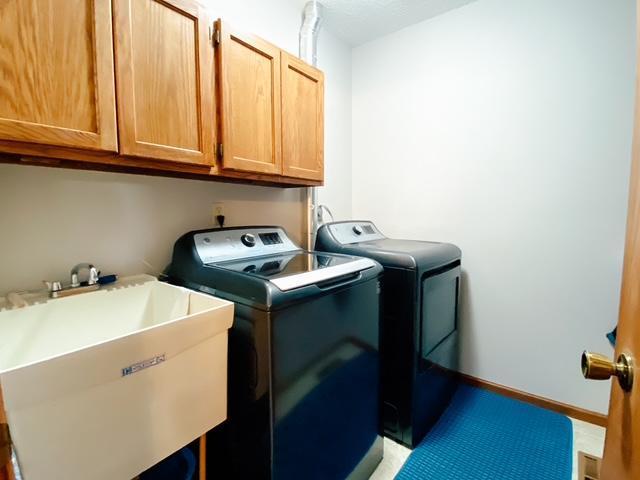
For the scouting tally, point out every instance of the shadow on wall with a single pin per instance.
(468, 354)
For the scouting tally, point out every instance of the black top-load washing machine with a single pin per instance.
(418, 343)
(303, 383)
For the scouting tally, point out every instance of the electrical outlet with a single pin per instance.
(216, 209)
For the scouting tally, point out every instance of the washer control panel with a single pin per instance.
(354, 232)
(241, 242)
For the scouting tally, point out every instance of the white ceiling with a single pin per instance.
(359, 21)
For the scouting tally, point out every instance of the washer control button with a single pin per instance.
(357, 229)
(248, 240)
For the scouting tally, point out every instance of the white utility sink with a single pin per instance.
(103, 385)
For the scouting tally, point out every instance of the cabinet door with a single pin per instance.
(56, 73)
(250, 91)
(302, 119)
(164, 71)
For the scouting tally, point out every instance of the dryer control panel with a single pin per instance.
(355, 232)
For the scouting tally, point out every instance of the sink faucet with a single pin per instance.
(56, 290)
(93, 274)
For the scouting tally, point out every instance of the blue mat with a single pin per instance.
(485, 436)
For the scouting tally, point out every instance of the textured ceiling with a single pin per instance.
(359, 21)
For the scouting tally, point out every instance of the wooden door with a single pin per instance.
(165, 77)
(56, 73)
(250, 102)
(622, 444)
(302, 119)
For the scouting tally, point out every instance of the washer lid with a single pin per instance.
(363, 238)
(294, 270)
(408, 253)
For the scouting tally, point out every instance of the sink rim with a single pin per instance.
(126, 283)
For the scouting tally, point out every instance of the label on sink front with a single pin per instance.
(136, 367)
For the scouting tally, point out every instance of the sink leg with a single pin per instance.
(203, 457)
(6, 468)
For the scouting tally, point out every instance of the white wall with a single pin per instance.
(54, 218)
(504, 127)
(336, 192)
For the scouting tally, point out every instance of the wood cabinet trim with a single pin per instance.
(105, 76)
(47, 156)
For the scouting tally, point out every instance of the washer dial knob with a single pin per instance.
(248, 240)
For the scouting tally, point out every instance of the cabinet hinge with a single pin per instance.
(214, 34)
(220, 151)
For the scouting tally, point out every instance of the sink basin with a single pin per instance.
(103, 385)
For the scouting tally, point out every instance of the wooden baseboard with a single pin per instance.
(563, 408)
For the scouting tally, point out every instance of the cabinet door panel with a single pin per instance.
(302, 119)
(56, 73)
(250, 90)
(166, 91)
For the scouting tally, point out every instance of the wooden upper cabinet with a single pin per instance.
(150, 84)
(165, 76)
(302, 119)
(249, 70)
(56, 73)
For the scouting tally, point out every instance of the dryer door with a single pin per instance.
(439, 315)
(434, 385)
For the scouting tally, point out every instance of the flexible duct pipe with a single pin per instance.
(311, 22)
(308, 39)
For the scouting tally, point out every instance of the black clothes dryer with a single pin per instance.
(419, 337)
(303, 381)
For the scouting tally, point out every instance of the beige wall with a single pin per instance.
(126, 224)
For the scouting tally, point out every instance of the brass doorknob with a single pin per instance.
(596, 366)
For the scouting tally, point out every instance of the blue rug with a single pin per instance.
(485, 436)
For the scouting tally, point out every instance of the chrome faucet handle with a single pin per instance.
(53, 287)
(94, 274)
